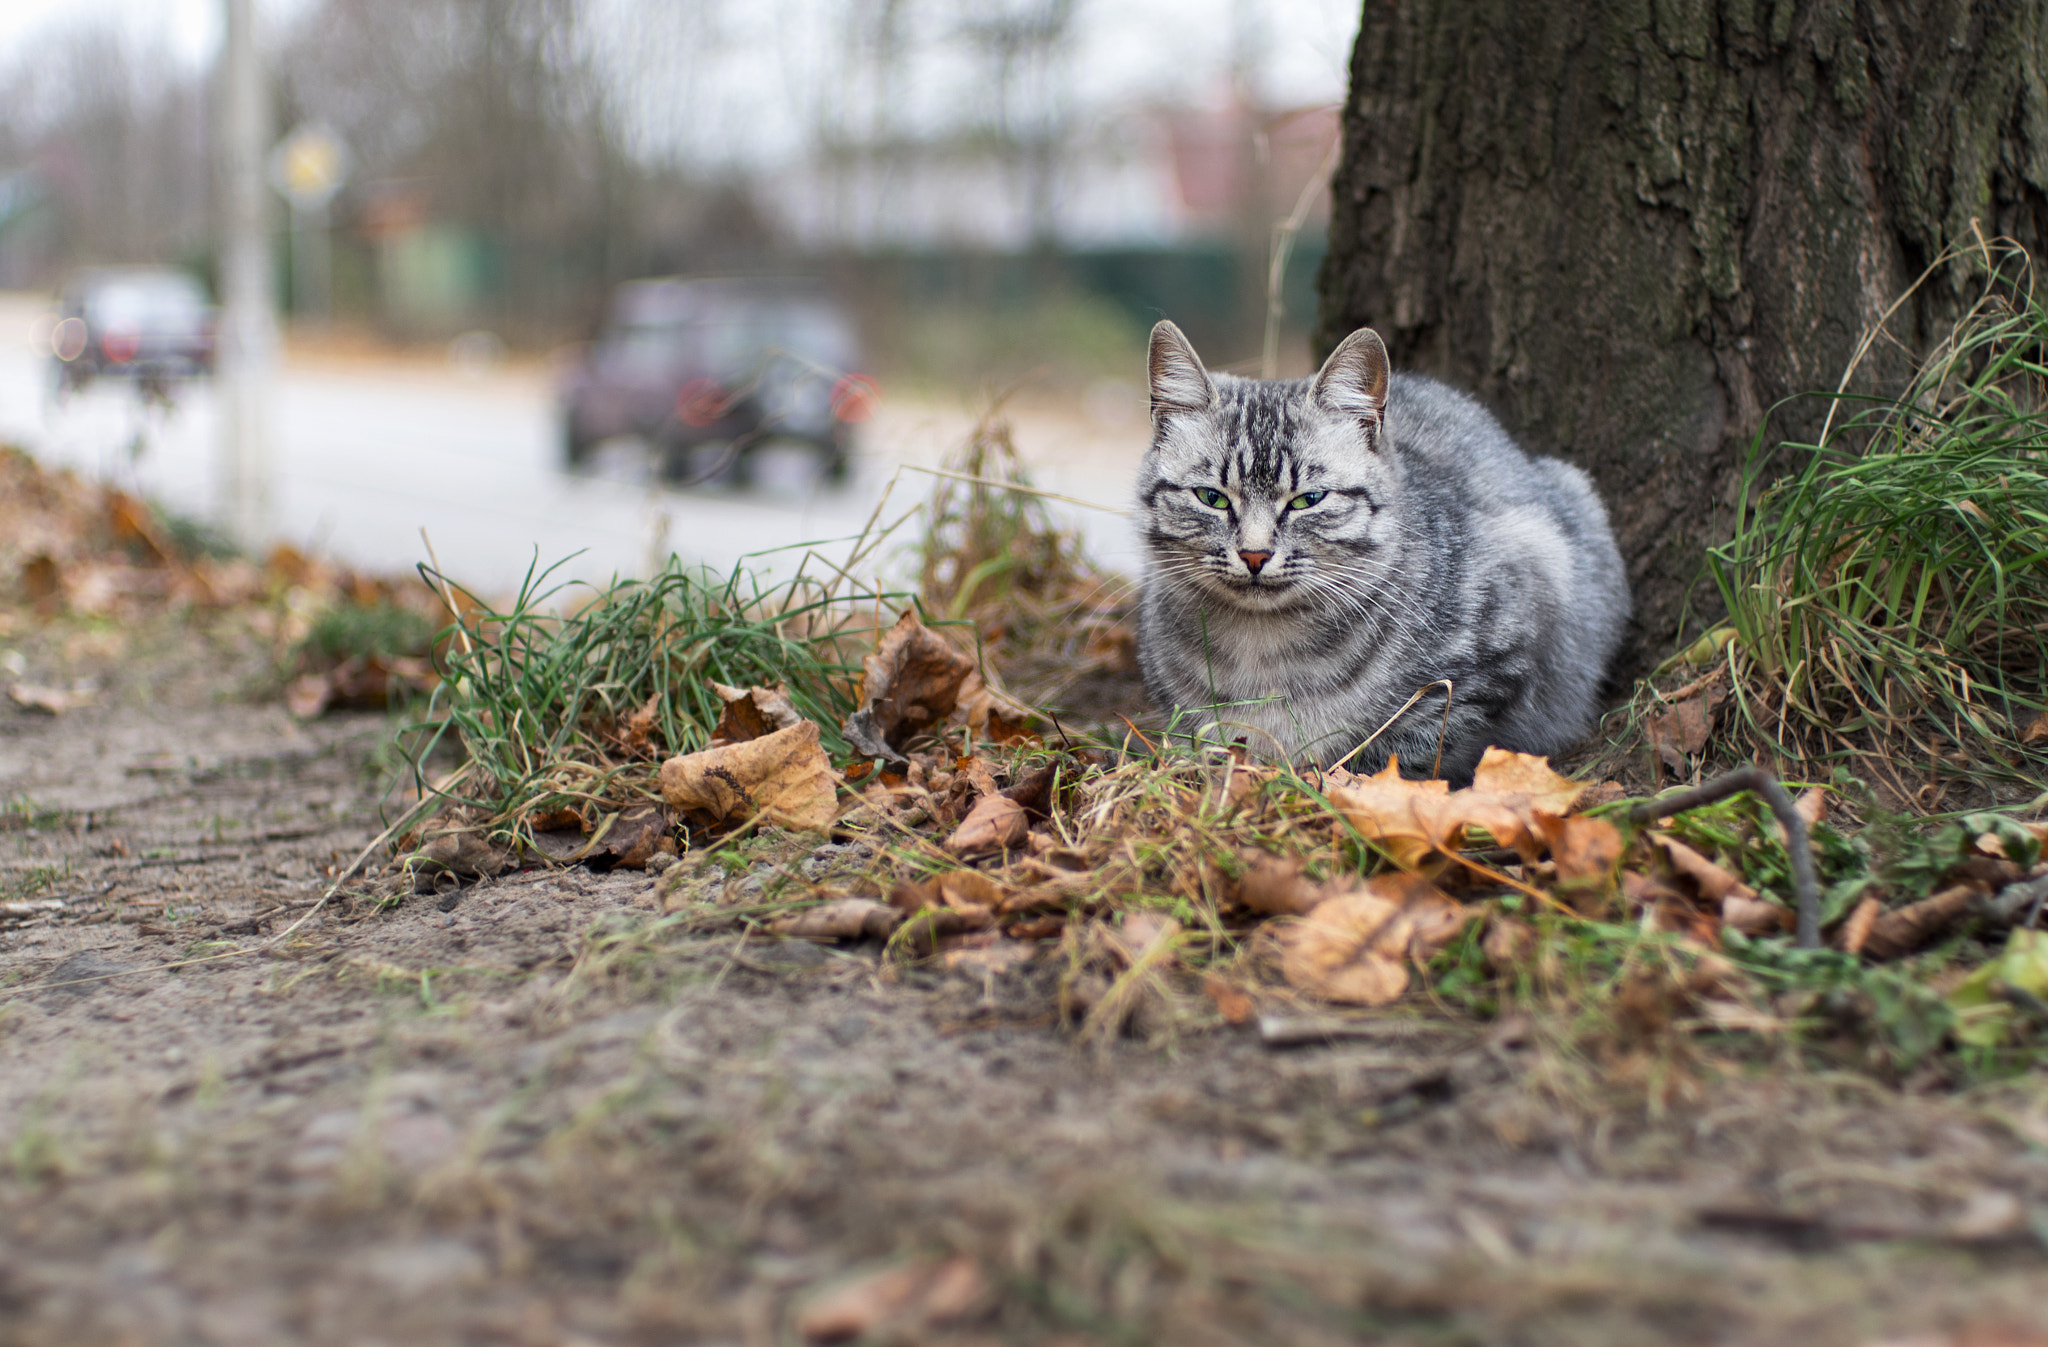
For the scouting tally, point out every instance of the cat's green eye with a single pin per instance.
(1306, 499)
(1212, 498)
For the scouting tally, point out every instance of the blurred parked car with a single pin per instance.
(688, 363)
(151, 324)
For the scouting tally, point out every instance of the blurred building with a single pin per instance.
(1144, 177)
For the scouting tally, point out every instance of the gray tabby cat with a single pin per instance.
(1322, 549)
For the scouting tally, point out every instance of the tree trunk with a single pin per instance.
(1632, 226)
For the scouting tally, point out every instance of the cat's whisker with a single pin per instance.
(1111, 591)
(1382, 602)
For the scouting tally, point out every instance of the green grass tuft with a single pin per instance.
(542, 697)
(1894, 588)
(382, 630)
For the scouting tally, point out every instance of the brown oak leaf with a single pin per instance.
(783, 777)
(751, 713)
(910, 684)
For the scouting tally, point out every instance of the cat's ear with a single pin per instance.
(1353, 381)
(1179, 383)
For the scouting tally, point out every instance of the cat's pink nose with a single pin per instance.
(1254, 560)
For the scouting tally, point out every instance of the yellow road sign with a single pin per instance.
(309, 165)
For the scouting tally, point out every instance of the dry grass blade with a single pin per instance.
(993, 557)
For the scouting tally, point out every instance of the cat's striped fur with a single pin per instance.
(1322, 549)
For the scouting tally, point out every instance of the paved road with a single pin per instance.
(370, 450)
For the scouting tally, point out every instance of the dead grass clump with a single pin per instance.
(91, 554)
(993, 558)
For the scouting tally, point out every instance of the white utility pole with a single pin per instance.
(247, 337)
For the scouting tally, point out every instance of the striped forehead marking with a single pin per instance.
(1259, 423)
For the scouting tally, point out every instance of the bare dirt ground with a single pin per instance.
(537, 1110)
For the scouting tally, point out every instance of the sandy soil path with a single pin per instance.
(538, 1111)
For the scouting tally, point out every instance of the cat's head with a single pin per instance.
(1268, 495)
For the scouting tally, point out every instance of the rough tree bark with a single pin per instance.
(1633, 226)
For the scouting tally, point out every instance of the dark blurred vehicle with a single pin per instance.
(150, 324)
(687, 363)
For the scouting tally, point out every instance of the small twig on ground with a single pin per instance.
(1761, 783)
(2024, 1001)
(1281, 1031)
(2020, 904)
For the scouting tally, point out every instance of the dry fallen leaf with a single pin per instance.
(751, 713)
(1508, 942)
(1413, 820)
(996, 727)
(972, 781)
(1716, 883)
(1672, 909)
(1275, 886)
(1526, 774)
(996, 823)
(783, 777)
(464, 853)
(1755, 916)
(910, 684)
(1406, 818)
(1231, 1002)
(841, 919)
(905, 1298)
(1812, 805)
(1686, 725)
(1905, 929)
(636, 835)
(967, 890)
(636, 731)
(1355, 946)
(557, 818)
(959, 900)
(1583, 848)
(1601, 792)
(361, 682)
(1142, 935)
(1856, 930)
(991, 714)
(1034, 791)
(50, 701)
(564, 846)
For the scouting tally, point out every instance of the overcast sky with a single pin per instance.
(747, 81)
(190, 27)
(747, 106)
